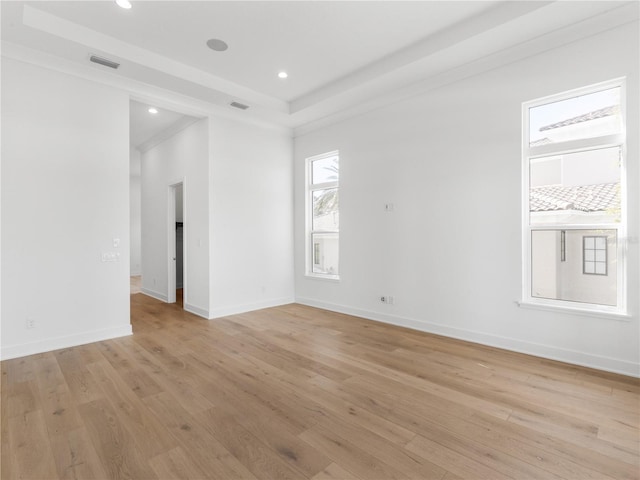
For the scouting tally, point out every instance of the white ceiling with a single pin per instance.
(316, 42)
(146, 129)
(343, 57)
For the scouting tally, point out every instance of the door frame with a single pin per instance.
(171, 241)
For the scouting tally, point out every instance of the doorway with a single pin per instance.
(176, 241)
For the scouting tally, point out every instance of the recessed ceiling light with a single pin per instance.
(153, 111)
(217, 44)
(124, 4)
(283, 75)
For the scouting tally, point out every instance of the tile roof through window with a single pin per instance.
(603, 112)
(584, 198)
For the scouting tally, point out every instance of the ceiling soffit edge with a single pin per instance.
(592, 26)
(65, 29)
(140, 91)
(396, 85)
(462, 31)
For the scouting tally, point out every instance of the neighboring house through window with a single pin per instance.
(323, 215)
(574, 216)
(594, 255)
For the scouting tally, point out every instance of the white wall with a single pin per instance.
(182, 158)
(179, 209)
(65, 197)
(252, 218)
(450, 252)
(134, 212)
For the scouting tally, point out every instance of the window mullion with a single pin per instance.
(573, 146)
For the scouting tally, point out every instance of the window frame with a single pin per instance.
(310, 188)
(530, 153)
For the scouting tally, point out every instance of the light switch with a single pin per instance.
(116, 242)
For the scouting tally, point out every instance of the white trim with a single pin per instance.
(201, 312)
(573, 357)
(172, 248)
(171, 254)
(154, 294)
(550, 307)
(324, 278)
(57, 343)
(248, 307)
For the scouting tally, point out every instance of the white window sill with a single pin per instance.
(575, 311)
(326, 278)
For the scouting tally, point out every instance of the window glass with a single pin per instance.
(588, 273)
(323, 215)
(324, 170)
(573, 207)
(326, 214)
(586, 116)
(576, 188)
(325, 253)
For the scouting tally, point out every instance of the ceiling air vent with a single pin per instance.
(104, 61)
(241, 106)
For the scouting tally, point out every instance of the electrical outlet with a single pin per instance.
(388, 299)
(31, 323)
(110, 257)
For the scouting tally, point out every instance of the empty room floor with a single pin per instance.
(135, 284)
(295, 392)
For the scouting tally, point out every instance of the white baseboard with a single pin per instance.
(201, 312)
(598, 362)
(40, 346)
(154, 294)
(248, 307)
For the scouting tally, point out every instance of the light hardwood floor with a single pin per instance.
(296, 392)
(135, 284)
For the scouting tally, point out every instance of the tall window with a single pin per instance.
(573, 198)
(323, 215)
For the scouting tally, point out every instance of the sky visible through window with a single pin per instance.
(562, 110)
(325, 170)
